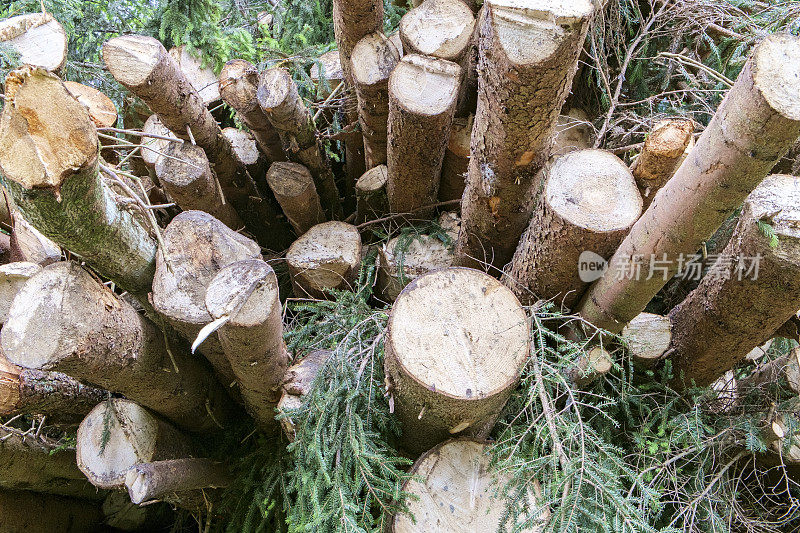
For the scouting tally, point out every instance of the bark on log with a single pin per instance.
(718, 324)
(456, 343)
(152, 147)
(373, 59)
(160, 480)
(327, 73)
(294, 189)
(520, 94)
(197, 246)
(203, 79)
(185, 174)
(297, 385)
(246, 151)
(456, 160)
(278, 97)
(246, 292)
(238, 85)
(49, 157)
(648, 337)
(662, 153)
(38, 38)
(755, 125)
(371, 199)
(454, 489)
(98, 338)
(588, 205)
(325, 257)
(422, 101)
(30, 512)
(119, 434)
(12, 277)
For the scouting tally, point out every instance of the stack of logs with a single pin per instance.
(455, 110)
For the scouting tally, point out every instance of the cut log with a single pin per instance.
(520, 94)
(297, 385)
(38, 38)
(374, 57)
(197, 246)
(371, 199)
(201, 77)
(754, 126)
(245, 294)
(101, 109)
(143, 65)
(29, 245)
(454, 488)
(246, 151)
(751, 290)
(456, 343)
(588, 205)
(422, 102)
(662, 153)
(456, 160)
(647, 338)
(394, 37)
(160, 480)
(12, 277)
(327, 73)
(27, 463)
(590, 366)
(95, 337)
(48, 155)
(153, 147)
(770, 374)
(325, 257)
(572, 132)
(294, 189)
(31, 512)
(238, 85)
(403, 259)
(185, 174)
(119, 434)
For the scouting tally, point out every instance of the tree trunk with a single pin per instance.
(754, 126)
(455, 346)
(297, 385)
(422, 101)
(238, 85)
(588, 205)
(279, 99)
(520, 94)
(30, 512)
(246, 151)
(647, 338)
(732, 310)
(662, 154)
(373, 59)
(119, 434)
(246, 293)
(48, 155)
(785, 367)
(38, 38)
(160, 480)
(197, 246)
(187, 177)
(202, 79)
(454, 488)
(456, 160)
(371, 199)
(96, 337)
(294, 189)
(325, 257)
(153, 147)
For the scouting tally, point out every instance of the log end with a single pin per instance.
(373, 179)
(439, 28)
(777, 73)
(329, 67)
(237, 83)
(274, 88)
(325, 257)
(9, 386)
(776, 201)
(131, 59)
(101, 109)
(201, 77)
(244, 146)
(38, 38)
(425, 85)
(184, 164)
(648, 337)
(246, 291)
(289, 179)
(373, 59)
(152, 148)
(12, 277)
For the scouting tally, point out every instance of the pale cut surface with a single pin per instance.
(38, 38)
(373, 179)
(244, 145)
(777, 73)
(276, 85)
(373, 58)
(530, 32)
(425, 85)
(461, 331)
(328, 67)
(648, 337)
(325, 254)
(202, 78)
(12, 277)
(776, 200)
(132, 58)
(152, 148)
(246, 291)
(439, 28)
(289, 179)
(594, 189)
(101, 109)
(456, 492)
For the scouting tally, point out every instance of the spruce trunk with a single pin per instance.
(294, 189)
(297, 385)
(170, 480)
(661, 155)
(371, 200)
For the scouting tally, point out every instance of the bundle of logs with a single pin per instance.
(457, 118)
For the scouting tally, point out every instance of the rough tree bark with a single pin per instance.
(589, 203)
(203, 79)
(718, 324)
(163, 480)
(520, 94)
(31, 512)
(456, 343)
(94, 336)
(278, 97)
(294, 189)
(373, 59)
(245, 294)
(661, 155)
(119, 434)
(422, 102)
(456, 160)
(755, 125)
(38, 38)
(49, 159)
(196, 247)
(325, 257)
(371, 199)
(297, 385)
(648, 337)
